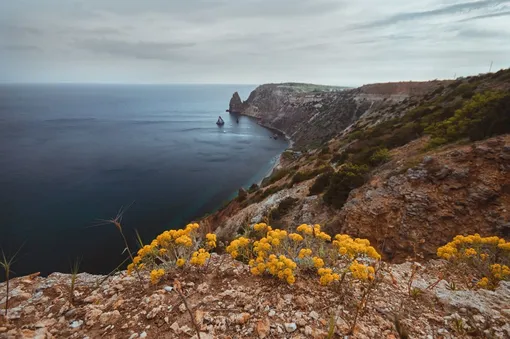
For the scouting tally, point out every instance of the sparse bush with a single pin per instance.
(173, 249)
(354, 135)
(339, 158)
(483, 116)
(487, 258)
(307, 175)
(284, 255)
(275, 176)
(321, 183)
(348, 177)
(324, 150)
(288, 155)
(379, 157)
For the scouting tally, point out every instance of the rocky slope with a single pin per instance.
(311, 115)
(228, 302)
(411, 205)
(419, 198)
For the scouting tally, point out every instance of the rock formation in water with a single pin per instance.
(235, 105)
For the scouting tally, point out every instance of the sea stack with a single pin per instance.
(236, 105)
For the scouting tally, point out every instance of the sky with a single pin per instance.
(333, 42)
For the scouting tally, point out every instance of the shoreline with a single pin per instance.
(278, 160)
(278, 131)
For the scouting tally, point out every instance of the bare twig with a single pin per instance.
(117, 223)
(6, 263)
(178, 289)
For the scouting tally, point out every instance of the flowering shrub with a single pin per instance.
(173, 248)
(284, 255)
(487, 257)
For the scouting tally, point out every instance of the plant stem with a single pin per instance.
(177, 288)
(131, 256)
(7, 293)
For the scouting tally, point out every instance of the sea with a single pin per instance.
(73, 155)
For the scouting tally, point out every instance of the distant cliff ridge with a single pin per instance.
(313, 114)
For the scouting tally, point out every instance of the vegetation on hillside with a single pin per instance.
(486, 258)
(465, 109)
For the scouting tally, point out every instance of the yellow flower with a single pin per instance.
(483, 283)
(130, 268)
(296, 237)
(361, 271)
(184, 240)
(291, 279)
(304, 252)
(504, 246)
(210, 240)
(156, 275)
(180, 262)
(318, 262)
(199, 257)
(500, 272)
(470, 252)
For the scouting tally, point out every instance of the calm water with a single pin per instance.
(73, 154)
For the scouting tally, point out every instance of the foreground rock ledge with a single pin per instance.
(228, 302)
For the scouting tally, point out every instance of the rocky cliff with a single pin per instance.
(311, 115)
(412, 198)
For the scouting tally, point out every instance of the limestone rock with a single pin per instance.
(235, 105)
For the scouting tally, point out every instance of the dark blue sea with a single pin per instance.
(71, 155)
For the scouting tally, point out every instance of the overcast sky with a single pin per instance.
(340, 42)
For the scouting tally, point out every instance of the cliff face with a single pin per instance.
(311, 115)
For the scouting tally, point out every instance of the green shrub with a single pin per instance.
(307, 175)
(288, 155)
(485, 115)
(320, 184)
(275, 176)
(354, 135)
(350, 176)
(324, 150)
(380, 156)
(339, 158)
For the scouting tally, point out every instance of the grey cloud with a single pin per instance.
(249, 41)
(138, 50)
(486, 16)
(16, 30)
(446, 10)
(217, 9)
(20, 48)
(482, 33)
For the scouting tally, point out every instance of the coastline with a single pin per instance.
(277, 131)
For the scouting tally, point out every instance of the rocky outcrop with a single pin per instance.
(311, 115)
(409, 207)
(414, 205)
(235, 105)
(227, 301)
